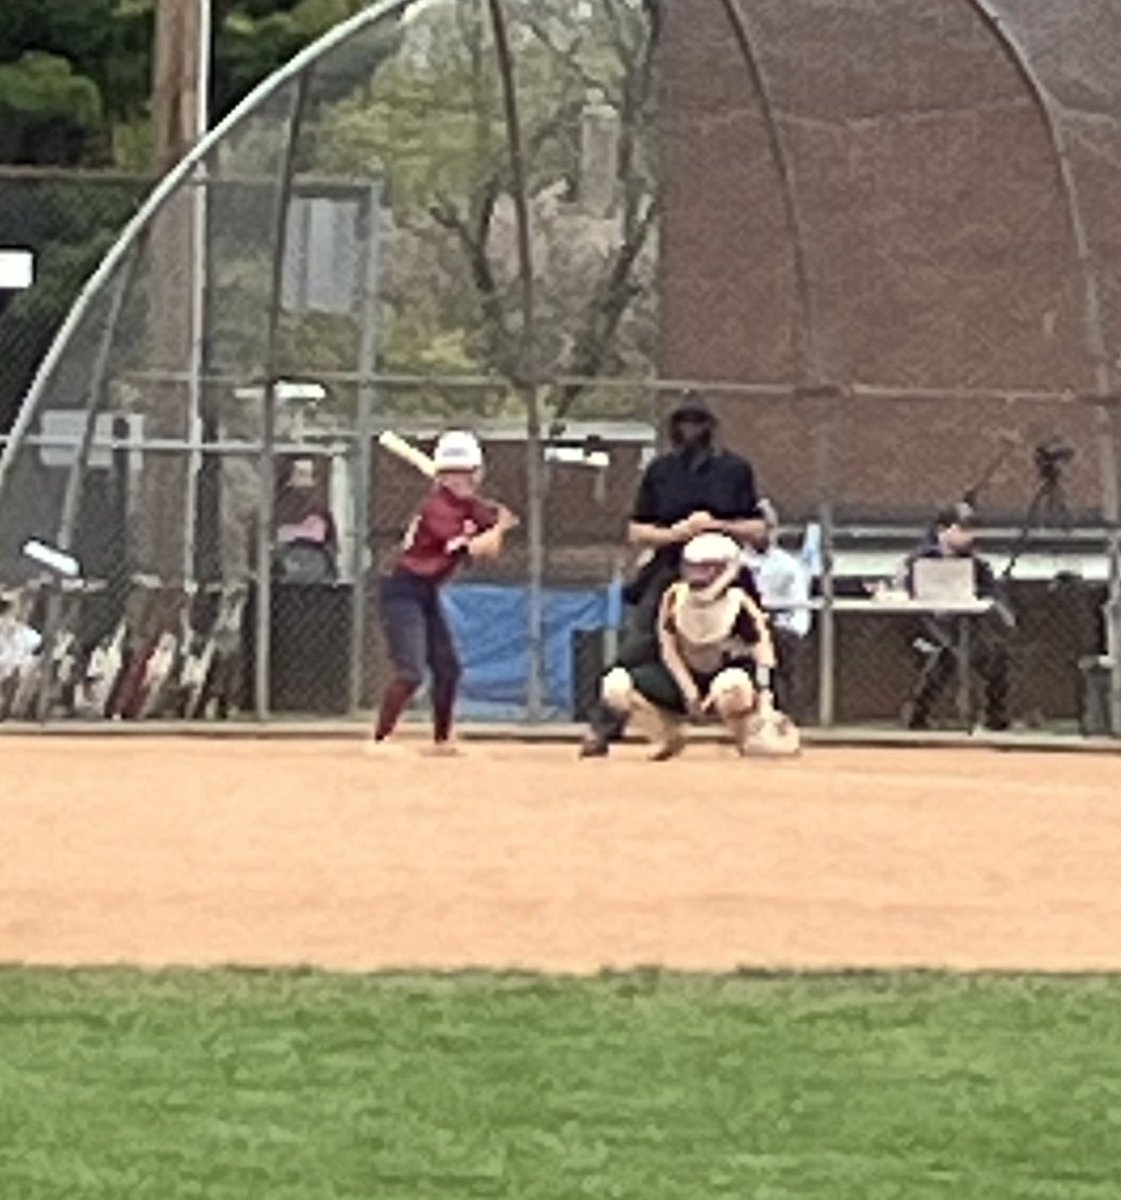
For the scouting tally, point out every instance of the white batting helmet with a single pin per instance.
(457, 450)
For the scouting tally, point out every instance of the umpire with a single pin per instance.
(695, 487)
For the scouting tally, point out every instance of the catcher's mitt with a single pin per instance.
(772, 734)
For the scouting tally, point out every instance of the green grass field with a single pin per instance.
(118, 1084)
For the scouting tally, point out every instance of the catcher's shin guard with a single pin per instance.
(617, 691)
(732, 698)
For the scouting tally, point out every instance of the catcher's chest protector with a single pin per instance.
(706, 632)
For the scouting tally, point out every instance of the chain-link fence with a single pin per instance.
(67, 221)
(395, 235)
(536, 627)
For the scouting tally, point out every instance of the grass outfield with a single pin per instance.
(121, 1085)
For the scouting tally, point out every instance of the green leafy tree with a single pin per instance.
(70, 225)
(75, 82)
(255, 37)
(47, 112)
(76, 75)
(68, 73)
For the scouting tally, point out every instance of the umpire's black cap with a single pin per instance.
(691, 405)
(960, 514)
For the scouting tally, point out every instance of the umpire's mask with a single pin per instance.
(692, 425)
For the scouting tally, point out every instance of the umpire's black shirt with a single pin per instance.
(675, 485)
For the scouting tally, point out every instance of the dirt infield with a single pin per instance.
(202, 852)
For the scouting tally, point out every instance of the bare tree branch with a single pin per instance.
(473, 241)
(616, 20)
(474, 37)
(568, 59)
(485, 206)
(634, 38)
(638, 115)
(612, 299)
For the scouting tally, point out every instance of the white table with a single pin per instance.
(918, 608)
(922, 608)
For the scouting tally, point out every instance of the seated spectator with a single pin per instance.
(19, 648)
(953, 534)
(782, 581)
(307, 539)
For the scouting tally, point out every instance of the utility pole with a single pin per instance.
(179, 92)
(177, 80)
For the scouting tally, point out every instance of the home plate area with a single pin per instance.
(161, 851)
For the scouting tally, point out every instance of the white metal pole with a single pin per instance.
(362, 458)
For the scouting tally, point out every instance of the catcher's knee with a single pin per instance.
(732, 692)
(617, 690)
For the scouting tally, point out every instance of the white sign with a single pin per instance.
(17, 270)
(287, 392)
(322, 256)
(64, 428)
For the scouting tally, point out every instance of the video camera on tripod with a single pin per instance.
(1050, 458)
(1048, 506)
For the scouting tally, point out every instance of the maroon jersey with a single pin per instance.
(436, 540)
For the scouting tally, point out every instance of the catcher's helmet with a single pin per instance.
(710, 564)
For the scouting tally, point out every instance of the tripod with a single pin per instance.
(1048, 508)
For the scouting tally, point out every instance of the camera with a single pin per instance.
(1050, 458)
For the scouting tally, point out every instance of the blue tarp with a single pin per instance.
(490, 623)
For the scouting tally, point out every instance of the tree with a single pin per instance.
(69, 225)
(71, 72)
(255, 37)
(48, 114)
(432, 125)
(420, 106)
(76, 75)
(75, 83)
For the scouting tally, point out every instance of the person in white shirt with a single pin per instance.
(783, 581)
(19, 644)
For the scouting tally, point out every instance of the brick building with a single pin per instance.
(936, 226)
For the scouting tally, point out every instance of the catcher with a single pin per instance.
(716, 655)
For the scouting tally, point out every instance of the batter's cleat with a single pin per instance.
(373, 747)
(442, 750)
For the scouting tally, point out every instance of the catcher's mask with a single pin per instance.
(710, 564)
(692, 424)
